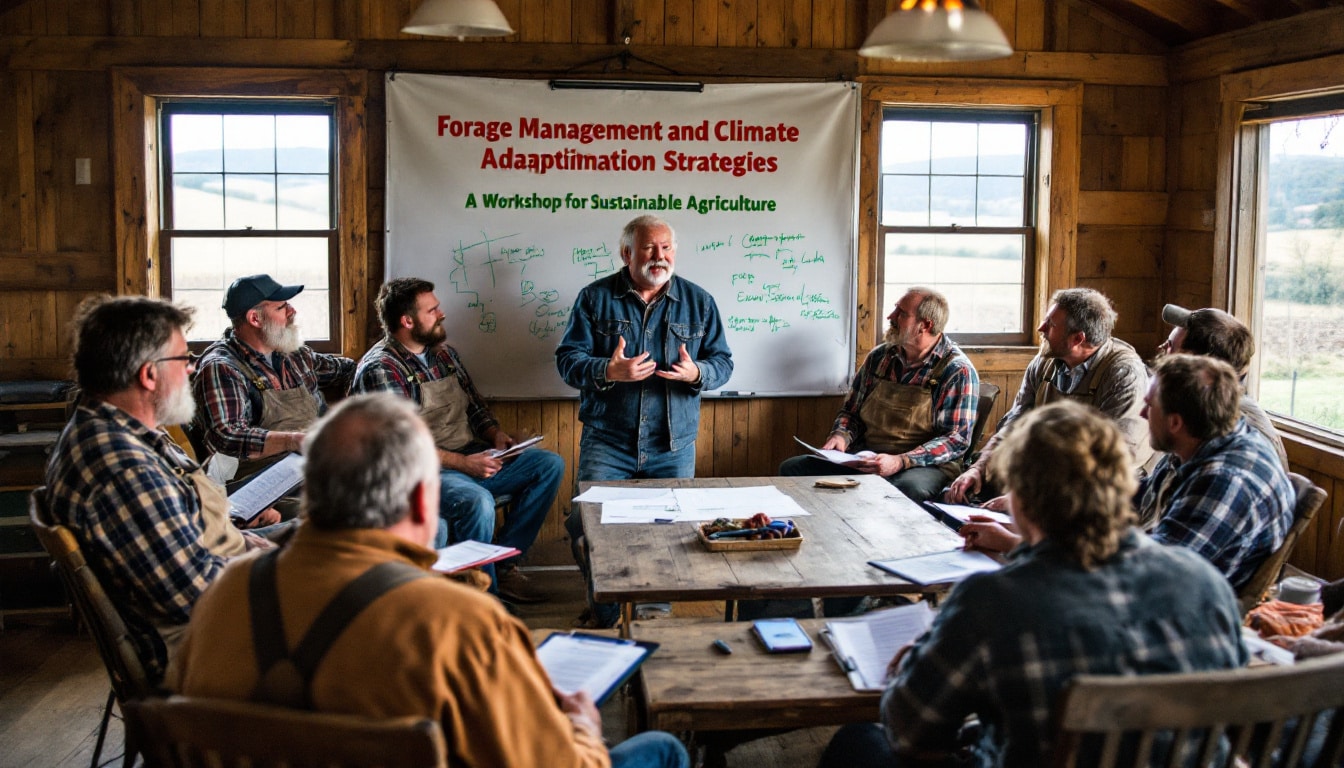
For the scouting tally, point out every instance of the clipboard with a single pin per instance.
(847, 664)
(598, 665)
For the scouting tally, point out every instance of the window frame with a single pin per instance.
(135, 149)
(1238, 236)
(1031, 118)
(166, 107)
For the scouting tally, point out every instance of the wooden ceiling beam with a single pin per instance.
(1254, 12)
(1182, 13)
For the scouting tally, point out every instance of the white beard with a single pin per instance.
(284, 339)
(178, 408)
(659, 280)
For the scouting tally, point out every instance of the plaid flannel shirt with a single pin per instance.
(1004, 644)
(954, 399)
(228, 385)
(122, 489)
(1231, 502)
(390, 367)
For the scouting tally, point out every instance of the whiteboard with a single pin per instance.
(758, 181)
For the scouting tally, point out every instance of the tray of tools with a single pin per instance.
(758, 532)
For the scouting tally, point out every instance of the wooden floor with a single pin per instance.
(52, 689)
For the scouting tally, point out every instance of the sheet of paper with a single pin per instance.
(655, 510)
(601, 494)
(595, 665)
(865, 645)
(269, 485)
(697, 504)
(939, 567)
(517, 448)
(1264, 651)
(466, 554)
(963, 512)
(836, 457)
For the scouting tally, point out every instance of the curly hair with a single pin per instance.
(1068, 468)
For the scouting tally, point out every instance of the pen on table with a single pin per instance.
(722, 647)
(664, 520)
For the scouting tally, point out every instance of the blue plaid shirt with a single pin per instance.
(121, 487)
(1232, 502)
(1004, 644)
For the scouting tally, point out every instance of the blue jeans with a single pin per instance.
(468, 503)
(599, 461)
(918, 483)
(651, 749)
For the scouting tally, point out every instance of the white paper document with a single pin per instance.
(597, 665)
(516, 448)
(268, 486)
(865, 645)
(660, 509)
(836, 457)
(469, 554)
(697, 504)
(601, 494)
(963, 512)
(939, 567)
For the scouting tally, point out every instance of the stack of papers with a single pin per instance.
(591, 663)
(267, 487)
(865, 645)
(939, 567)
(677, 505)
(516, 448)
(470, 554)
(837, 457)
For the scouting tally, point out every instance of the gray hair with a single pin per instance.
(932, 307)
(647, 221)
(115, 335)
(1088, 311)
(363, 460)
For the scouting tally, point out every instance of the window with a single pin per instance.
(1299, 254)
(958, 206)
(249, 187)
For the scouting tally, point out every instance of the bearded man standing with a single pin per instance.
(260, 387)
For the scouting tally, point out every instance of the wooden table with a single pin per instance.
(847, 528)
(689, 686)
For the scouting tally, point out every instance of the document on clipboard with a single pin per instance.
(516, 448)
(597, 665)
(865, 645)
(938, 567)
(267, 487)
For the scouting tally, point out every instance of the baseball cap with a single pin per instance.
(248, 292)
(1180, 316)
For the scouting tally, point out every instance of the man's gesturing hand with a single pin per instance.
(622, 368)
(684, 369)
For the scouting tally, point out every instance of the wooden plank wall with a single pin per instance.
(57, 240)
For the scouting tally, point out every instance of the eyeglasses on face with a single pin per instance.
(191, 359)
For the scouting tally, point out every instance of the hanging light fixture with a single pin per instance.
(937, 30)
(458, 18)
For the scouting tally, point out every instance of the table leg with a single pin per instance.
(627, 617)
(730, 610)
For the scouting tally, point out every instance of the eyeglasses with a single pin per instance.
(190, 359)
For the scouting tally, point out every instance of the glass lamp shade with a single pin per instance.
(963, 34)
(458, 18)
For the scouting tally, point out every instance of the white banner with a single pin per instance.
(511, 197)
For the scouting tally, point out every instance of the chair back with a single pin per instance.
(983, 406)
(1308, 498)
(184, 732)
(1223, 716)
(130, 680)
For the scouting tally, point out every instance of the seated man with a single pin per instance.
(425, 647)
(1087, 593)
(1081, 361)
(413, 360)
(1215, 333)
(259, 388)
(1219, 490)
(912, 403)
(153, 528)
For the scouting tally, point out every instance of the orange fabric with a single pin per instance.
(1276, 618)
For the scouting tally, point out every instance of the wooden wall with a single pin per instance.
(1119, 231)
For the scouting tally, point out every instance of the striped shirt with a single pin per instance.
(954, 399)
(390, 367)
(228, 385)
(121, 487)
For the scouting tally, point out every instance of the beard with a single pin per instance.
(658, 280)
(284, 339)
(895, 337)
(430, 336)
(178, 407)
(1048, 351)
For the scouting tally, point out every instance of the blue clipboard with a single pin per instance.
(594, 663)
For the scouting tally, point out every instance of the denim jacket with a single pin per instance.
(609, 308)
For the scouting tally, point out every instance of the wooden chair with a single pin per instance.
(130, 680)
(1308, 499)
(184, 732)
(1118, 720)
(983, 406)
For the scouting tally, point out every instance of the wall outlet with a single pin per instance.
(83, 170)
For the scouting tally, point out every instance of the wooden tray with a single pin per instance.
(793, 541)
